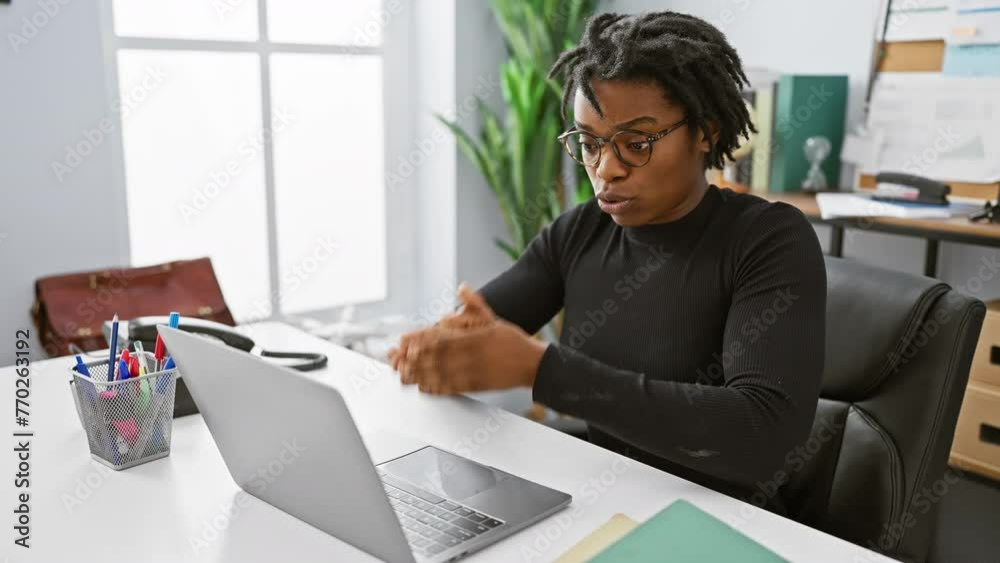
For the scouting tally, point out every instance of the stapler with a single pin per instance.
(990, 212)
(897, 187)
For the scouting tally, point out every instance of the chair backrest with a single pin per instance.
(898, 352)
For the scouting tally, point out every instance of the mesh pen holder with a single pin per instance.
(127, 422)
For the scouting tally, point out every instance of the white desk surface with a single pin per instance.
(186, 507)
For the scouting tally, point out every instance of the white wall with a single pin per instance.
(53, 90)
(458, 49)
(477, 70)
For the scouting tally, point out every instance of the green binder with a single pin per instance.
(806, 106)
(682, 533)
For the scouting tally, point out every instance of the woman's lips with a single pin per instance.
(613, 204)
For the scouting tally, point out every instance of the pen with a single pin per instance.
(114, 348)
(123, 372)
(144, 385)
(88, 389)
(125, 355)
(175, 319)
(156, 403)
(133, 372)
(159, 352)
(81, 367)
(141, 352)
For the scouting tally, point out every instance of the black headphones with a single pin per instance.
(143, 329)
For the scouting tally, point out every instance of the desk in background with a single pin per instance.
(955, 229)
(186, 507)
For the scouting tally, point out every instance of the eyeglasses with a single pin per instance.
(632, 147)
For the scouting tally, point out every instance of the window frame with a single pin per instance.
(401, 228)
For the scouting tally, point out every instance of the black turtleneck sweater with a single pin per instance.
(695, 346)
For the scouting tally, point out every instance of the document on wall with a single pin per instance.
(919, 20)
(941, 127)
(974, 22)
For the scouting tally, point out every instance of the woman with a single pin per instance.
(693, 336)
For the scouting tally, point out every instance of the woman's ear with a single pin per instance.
(703, 143)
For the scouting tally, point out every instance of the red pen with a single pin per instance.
(159, 352)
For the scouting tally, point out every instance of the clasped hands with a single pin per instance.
(471, 350)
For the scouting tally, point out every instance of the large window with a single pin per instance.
(253, 131)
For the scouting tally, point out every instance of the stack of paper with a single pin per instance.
(833, 206)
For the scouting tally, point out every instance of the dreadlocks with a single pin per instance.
(688, 57)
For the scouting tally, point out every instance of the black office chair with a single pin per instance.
(898, 351)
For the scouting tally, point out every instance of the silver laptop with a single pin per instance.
(289, 440)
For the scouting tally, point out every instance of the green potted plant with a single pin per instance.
(518, 154)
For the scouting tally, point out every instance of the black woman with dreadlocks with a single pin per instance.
(693, 330)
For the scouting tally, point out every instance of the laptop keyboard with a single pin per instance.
(433, 524)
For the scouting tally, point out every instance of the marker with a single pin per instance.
(81, 367)
(114, 348)
(145, 385)
(125, 355)
(141, 352)
(159, 352)
(123, 373)
(175, 319)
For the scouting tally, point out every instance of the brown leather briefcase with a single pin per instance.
(71, 308)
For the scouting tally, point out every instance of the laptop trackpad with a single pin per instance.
(444, 474)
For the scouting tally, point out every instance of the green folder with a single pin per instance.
(682, 533)
(806, 106)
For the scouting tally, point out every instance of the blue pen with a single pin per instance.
(175, 319)
(122, 370)
(81, 367)
(114, 348)
(163, 380)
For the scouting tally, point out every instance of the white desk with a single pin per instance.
(154, 512)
